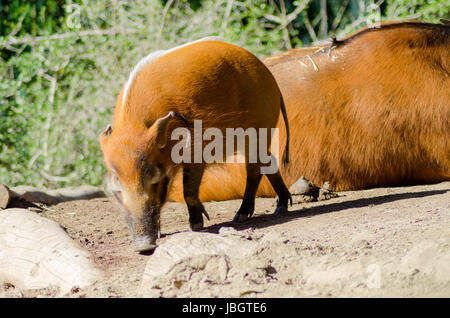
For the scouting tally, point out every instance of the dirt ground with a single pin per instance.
(386, 242)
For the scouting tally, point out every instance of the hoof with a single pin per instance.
(196, 226)
(280, 210)
(238, 218)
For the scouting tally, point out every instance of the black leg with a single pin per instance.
(248, 203)
(192, 176)
(282, 191)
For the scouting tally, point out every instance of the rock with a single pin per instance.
(32, 194)
(193, 258)
(305, 187)
(322, 273)
(325, 193)
(36, 252)
(5, 196)
(248, 234)
(196, 272)
(80, 193)
(49, 197)
(429, 257)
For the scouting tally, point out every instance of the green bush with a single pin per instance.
(62, 64)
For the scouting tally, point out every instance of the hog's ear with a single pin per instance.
(108, 130)
(160, 127)
(105, 134)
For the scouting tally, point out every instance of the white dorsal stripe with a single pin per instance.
(153, 56)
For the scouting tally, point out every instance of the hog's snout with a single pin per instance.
(145, 229)
(144, 243)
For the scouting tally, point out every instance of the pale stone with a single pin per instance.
(177, 258)
(49, 197)
(429, 257)
(5, 196)
(36, 252)
(304, 187)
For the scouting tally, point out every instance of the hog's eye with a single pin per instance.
(118, 195)
(151, 173)
(114, 182)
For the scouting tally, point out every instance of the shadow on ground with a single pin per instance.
(262, 221)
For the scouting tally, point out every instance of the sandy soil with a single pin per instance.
(388, 242)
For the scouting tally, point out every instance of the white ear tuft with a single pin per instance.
(108, 130)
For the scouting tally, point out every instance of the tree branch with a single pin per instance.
(36, 39)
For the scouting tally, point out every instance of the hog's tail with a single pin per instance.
(288, 137)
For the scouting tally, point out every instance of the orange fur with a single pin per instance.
(222, 85)
(370, 110)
